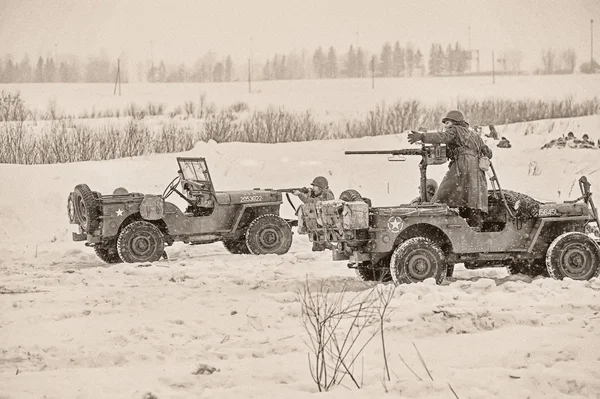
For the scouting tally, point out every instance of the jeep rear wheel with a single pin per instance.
(379, 272)
(574, 255)
(108, 252)
(140, 241)
(268, 234)
(416, 260)
(86, 207)
(236, 246)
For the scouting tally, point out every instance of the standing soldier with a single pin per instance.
(464, 185)
(319, 192)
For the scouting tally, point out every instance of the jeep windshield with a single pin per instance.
(193, 169)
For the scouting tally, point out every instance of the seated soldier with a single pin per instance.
(431, 188)
(504, 143)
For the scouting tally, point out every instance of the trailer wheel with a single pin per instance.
(236, 246)
(108, 253)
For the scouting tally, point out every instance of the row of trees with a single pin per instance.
(392, 61)
(98, 69)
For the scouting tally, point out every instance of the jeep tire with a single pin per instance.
(268, 234)
(416, 260)
(140, 241)
(530, 269)
(379, 272)
(86, 208)
(574, 255)
(108, 252)
(236, 247)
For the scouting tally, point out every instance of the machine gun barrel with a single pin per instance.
(403, 151)
(291, 190)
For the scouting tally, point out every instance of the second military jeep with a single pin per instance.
(135, 227)
(411, 243)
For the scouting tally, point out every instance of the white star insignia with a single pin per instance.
(119, 212)
(395, 223)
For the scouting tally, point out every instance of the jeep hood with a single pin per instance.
(247, 196)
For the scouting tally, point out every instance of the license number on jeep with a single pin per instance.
(251, 198)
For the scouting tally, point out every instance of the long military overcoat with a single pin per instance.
(465, 184)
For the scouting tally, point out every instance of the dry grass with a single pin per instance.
(67, 141)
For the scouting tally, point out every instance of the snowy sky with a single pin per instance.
(181, 30)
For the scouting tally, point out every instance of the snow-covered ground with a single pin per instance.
(72, 326)
(331, 98)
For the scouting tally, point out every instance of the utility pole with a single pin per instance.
(118, 79)
(250, 67)
(470, 52)
(373, 72)
(592, 46)
(493, 68)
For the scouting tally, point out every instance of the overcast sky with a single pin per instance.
(181, 30)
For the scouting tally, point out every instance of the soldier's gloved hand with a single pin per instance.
(296, 192)
(414, 136)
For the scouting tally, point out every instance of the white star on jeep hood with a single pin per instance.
(119, 212)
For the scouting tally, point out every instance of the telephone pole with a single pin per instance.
(373, 72)
(493, 68)
(118, 78)
(592, 46)
(250, 67)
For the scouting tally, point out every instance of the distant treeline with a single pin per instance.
(395, 60)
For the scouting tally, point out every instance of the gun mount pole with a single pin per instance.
(423, 171)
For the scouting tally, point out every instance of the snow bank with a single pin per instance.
(75, 327)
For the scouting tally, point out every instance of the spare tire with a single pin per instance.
(87, 207)
(351, 195)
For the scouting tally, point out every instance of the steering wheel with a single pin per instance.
(171, 187)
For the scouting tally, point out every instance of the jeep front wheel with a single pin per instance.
(416, 260)
(108, 252)
(574, 255)
(140, 241)
(268, 234)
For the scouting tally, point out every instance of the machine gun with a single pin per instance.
(431, 154)
(303, 190)
(288, 191)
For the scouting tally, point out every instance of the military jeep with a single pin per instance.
(135, 227)
(411, 243)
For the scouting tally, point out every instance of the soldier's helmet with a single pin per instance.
(455, 116)
(586, 137)
(570, 134)
(431, 184)
(320, 182)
